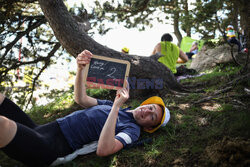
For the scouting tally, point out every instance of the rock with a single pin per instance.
(209, 58)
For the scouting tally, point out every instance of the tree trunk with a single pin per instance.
(234, 12)
(74, 40)
(244, 10)
(187, 19)
(245, 18)
(176, 24)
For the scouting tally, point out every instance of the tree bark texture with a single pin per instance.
(186, 11)
(74, 40)
(176, 17)
(245, 18)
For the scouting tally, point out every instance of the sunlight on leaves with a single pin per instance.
(211, 106)
(179, 118)
(114, 161)
(202, 121)
(184, 106)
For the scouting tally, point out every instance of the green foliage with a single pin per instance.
(192, 96)
(23, 31)
(102, 93)
(205, 17)
(61, 105)
(135, 103)
(28, 46)
(222, 70)
(226, 107)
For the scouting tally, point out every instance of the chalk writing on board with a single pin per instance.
(107, 71)
(113, 70)
(97, 65)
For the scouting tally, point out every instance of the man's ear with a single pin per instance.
(147, 128)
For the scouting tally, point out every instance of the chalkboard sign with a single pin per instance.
(106, 73)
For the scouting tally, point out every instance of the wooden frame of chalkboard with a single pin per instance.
(106, 73)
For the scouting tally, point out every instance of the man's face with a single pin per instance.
(148, 116)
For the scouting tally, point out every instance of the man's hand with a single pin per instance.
(83, 59)
(107, 143)
(81, 96)
(122, 96)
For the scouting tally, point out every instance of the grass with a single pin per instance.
(184, 141)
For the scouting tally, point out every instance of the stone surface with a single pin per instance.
(208, 58)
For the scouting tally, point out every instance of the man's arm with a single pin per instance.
(157, 49)
(194, 47)
(81, 96)
(107, 143)
(182, 57)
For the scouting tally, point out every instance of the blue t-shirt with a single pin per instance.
(84, 126)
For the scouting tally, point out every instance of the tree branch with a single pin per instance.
(21, 34)
(47, 62)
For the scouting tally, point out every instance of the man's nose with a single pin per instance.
(148, 111)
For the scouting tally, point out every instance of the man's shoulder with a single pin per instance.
(168, 43)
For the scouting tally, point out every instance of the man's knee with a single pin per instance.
(1, 98)
(4, 123)
(1, 120)
(8, 130)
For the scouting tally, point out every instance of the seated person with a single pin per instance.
(172, 54)
(40, 145)
(231, 38)
(193, 50)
